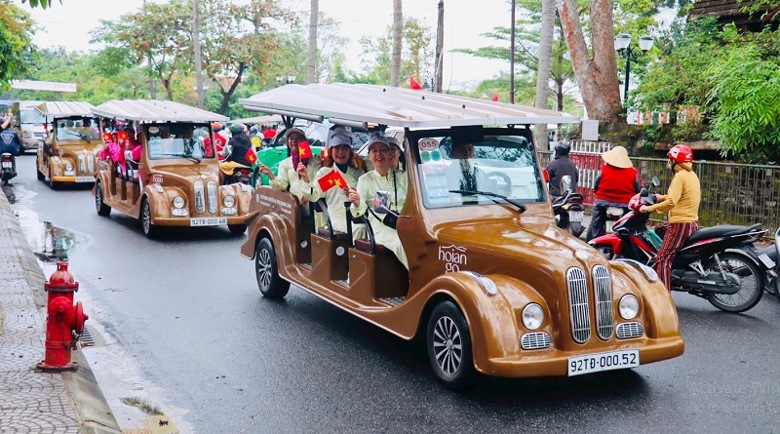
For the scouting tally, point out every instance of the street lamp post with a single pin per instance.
(290, 79)
(623, 47)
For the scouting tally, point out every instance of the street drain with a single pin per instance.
(86, 338)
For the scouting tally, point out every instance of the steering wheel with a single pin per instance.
(498, 188)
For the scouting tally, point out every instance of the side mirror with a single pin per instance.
(382, 201)
(565, 183)
(655, 181)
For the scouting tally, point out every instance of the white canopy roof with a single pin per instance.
(155, 111)
(64, 109)
(392, 106)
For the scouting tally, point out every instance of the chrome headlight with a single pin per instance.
(178, 202)
(68, 167)
(533, 316)
(628, 307)
(229, 201)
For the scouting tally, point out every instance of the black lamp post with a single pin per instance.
(289, 80)
(623, 47)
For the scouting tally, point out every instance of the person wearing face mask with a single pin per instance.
(682, 202)
(340, 159)
(295, 173)
(381, 178)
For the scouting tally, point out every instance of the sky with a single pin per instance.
(69, 24)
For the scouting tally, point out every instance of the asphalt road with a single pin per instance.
(185, 310)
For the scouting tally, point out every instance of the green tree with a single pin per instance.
(16, 49)
(416, 57)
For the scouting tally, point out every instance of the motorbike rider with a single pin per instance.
(7, 121)
(560, 167)
(235, 152)
(682, 202)
(615, 184)
(9, 141)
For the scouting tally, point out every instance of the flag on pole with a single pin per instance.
(413, 84)
(332, 179)
(496, 96)
(250, 156)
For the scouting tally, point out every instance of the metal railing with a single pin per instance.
(731, 193)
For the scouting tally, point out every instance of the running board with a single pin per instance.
(393, 301)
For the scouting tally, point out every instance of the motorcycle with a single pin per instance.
(7, 167)
(708, 265)
(568, 208)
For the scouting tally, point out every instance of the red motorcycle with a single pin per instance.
(709, 265)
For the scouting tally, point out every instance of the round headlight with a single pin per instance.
(68, 167)
(178, 202)
(629, 306)
(533, 316)
(229, 201)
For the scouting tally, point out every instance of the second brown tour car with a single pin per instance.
(491, 284)
(157, 166)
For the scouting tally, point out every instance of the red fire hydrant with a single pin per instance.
(64, 323)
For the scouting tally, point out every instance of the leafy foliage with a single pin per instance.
(417, 55)
(16, 49)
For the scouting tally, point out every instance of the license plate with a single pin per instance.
(575, 216)
(85, 179)
(208, 221)
(767, 261)
(7, 165)
(603, 362)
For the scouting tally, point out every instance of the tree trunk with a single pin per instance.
(543, 71)
(597, 74)
(312, 61)
(398, 25)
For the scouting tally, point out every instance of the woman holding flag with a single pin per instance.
(340, 171)
(297, 170)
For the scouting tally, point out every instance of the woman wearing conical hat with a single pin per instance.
(616, 183)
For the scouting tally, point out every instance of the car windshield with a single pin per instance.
(77, 129)
(31, 117)
(179, 140)
(461, 170)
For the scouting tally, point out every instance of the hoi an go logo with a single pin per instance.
(454, 257)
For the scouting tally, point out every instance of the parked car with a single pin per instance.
(69, 152)
(174, 181)
(492, 285)
(29, 124)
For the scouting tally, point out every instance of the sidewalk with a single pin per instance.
(32, 401)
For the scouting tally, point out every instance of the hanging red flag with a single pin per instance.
(496, 96)
(250, 156)
(332, 179)
(413, 84)
(304, 150)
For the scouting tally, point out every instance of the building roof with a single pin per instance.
(359, 104)
(64, 109)
(155, 111)
(732, 11)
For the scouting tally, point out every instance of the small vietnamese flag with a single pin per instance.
(304, 150)
(496, 96)
(332, 179)
(250, 156)
(413, 84)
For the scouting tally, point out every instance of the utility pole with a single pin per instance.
(149, 65)
(512, 59)
(196, 43)
(438, 73)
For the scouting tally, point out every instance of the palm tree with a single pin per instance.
(312, 60)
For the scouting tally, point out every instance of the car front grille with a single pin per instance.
(628, 330)
(578, 304)
(535, 341)
(605, 323)
(200, 204)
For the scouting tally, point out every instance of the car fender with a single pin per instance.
(57, 165)
(241, 192)
(161, 199)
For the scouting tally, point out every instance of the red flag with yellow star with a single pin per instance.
(332, 179)
(304, 150)
(250, 156)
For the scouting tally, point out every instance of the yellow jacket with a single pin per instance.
(683, 198)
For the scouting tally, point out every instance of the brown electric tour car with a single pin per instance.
(69, 152)
(159, 165)
(492, 285)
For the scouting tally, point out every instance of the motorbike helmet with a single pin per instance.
(562, 149)
(680, 154)
(216, 126)
(236, 128)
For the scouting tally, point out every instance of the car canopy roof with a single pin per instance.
(144, 111)
(361, 104)
(65, 109)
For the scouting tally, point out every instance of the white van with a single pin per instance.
(30, 124)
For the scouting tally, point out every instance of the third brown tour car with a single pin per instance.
(492, 284)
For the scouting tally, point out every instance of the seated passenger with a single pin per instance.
(397, 154)
(382, 178)
(295, 173)
(342, 160)
(235, 152)
(461, 174)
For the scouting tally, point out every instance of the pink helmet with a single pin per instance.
(680, 154)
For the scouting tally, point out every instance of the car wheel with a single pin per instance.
(237, 229)
(449, 346)
(267, 271)
(100, 206)
(150, 230)
(40, 174)
(53, 185)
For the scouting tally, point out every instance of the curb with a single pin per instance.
(85, 395)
